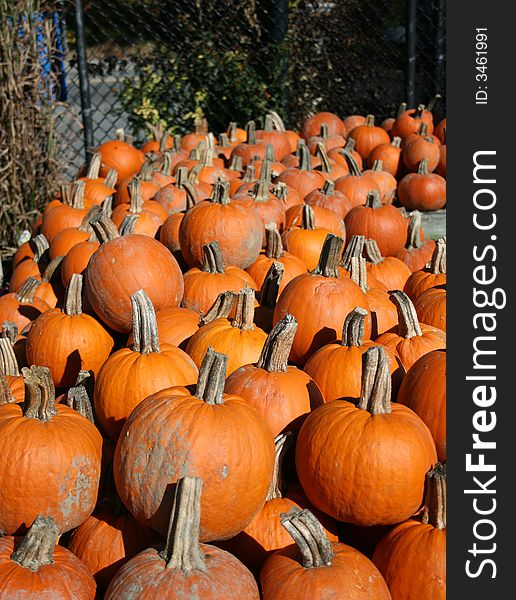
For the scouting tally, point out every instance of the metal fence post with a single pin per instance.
(440, 46)
(410, 66)
(84, 83)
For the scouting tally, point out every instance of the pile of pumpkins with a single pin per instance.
(222, 369)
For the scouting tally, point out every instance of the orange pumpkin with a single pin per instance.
(390, 155)
(389, 270)
(368, 136)
(121, 156)
(356, 185)
(422, 190)
(303, 178)
(431, 307)
(23, 307)
(312, 125)
(251, 147)
(417, 252)
(428, 277)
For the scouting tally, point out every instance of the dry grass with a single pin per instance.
(28, 165)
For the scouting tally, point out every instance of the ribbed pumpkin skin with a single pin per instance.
(306, 244)
(294, 266)
(21, 314)
(431, 307)
(424, 391)
(384, 315)
(77, 260)
(146, 577)
(121, 156)
(116, 271)
(412, 559)
(65, 240)
(392, 272)
(128, 377)
(410, 349)
(282, 398)
(67, 344)
(420, 281)
(312, 125)
(66, 579)
(167, 436)
(352, 576)
(417, 258)
(320, 305)
(379, 481)
(58, 476)
(385, 225)
(105, 542)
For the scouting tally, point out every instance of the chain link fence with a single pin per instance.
(174, 61)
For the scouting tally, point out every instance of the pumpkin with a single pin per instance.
(215, 435)
(424, 391)
(384, 223)
(34, 567)
(237, 228)
(320, 301)
(172, 197)
(209, 169)
(268, 296)
(160, 141)
(114, 273)
(197, 136)
(36, 246)
(381, 480)
(294, 160)
(368, 136)
(389, 270)
(422, 190)
(410, 122)
(428, 277)
(68, 446)
(282, 394)
(337, 367)
(68, 213)
(239, 338)
(389, 154)
(421, 146)
(316, 567)
(338, 156)
(276, 138)
(331, 169)
(441, 165)
(312, 125)
(67, 340)
(77, 260)
(440, 131)
(353, 121)
(323, 137)
(304, 178)
(356, 185)
(202, 286)
(184, 567)
(67, 239)
(251, 147)
(431, 307)
(292, 136)
(13, 387)
(287, 194)
(97, 188)
(417, 252)
(23, 307)
(131, 374)
(169, 231)
(329, 198)
(32, 265)
(121, 156)
(324, 217)
(306, 241)
(389, 121)
(235, 134)
(412, 556)
(387, 183)
(146, 187)
(410, 339)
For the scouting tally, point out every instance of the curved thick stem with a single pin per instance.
(93, 171)
(148, 167)
(408, 323)
(8, 361)
(77, 398)
(104, 228)
(354, 248)
(307, 217)
(358, 272)
(6, 396)
(28, 290)
(40, 394)
(39, 245)
(273, 242)
(270, 287)
(369, 122)
(145, 327)
(323, 155)
(372, 252)
(77, 195)
(192, 197)
(328, 189)
(413, 231)
(434, 102)
(422, 168)
(377, 165)
(127, 224)
(260, 191)
(304, 157)
(249, 175)
(37, 547)
(313, 542)
(212, 376)
(373, 198)
(328, 265)
(438, 262)
(282, 443)
(135, 196)
(221, 308)
(220, 193)
(353, 330)
(73, 296)
(212, 260)
(353, 167)
(51, 268)
(181, 177)
(375, 393)
(236, 164)
(244, 313)
(182, 549)
(111, 178)
(435, 497)
(276, 350)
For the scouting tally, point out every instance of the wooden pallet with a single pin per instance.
(434, 224)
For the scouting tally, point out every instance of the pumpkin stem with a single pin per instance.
(135, 196)
(413, 232)
(94, 166)
(51, 268)
(212, 260)
(8, 362)
(9, 331)
(77, 195)
(307, 217)
(353, 330)
(350, 145)
(328, 265)
(244, 313)
(375, 393)
(250, 130)
(304, 157)
(145, 327)
(377, 165)
(423, 129)
(282, 443)
(28, 291)
(280, 190)
(309, 535)
(438, 262)
(433, 102)
(78, 399)
(396, 142)
(111, 178)
(181, 177)
(419, 112)
(260, 190)
(201, 126)
(220, 309)
(220, 193)
(127, 224)
(106, 208)
(249, 175)
(369, 122)
(85, 223)
(269, 154)
(372, 252)
(320, 151)
(401, 109)
(37, 547)
(270, 287)
(166, 163)
(104, 228)
(422, 168)
(182, 549)
(192, 197)
(328, 189)
(358, 272)
(354, 248)
(273, 243)
(212, 376)
(276, 350)
(40, 394)
(278, 121)
(268, 123)
(231, 131)
(6, 396)
(435, 497)
(353, 167)
(408, 323)
(324, 131)
(73, 296)
(236, 164)
(39, 245)
(223, 140)
(373, 198)
(148, 168)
